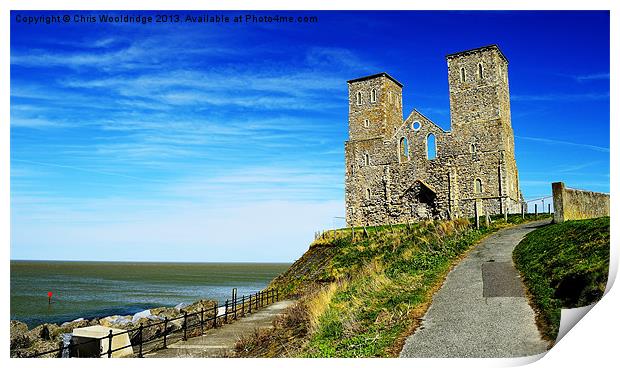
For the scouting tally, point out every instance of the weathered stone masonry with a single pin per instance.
(575, 204)
(393, 175)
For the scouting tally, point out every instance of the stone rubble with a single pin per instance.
(48, 336)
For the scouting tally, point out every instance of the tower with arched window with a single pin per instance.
(372, 113)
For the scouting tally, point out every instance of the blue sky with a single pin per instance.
(225, 142)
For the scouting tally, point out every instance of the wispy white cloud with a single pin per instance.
(37, 123)
(566, 143)
(129, 58)
(264, 89)
(71, 167)
(268, 180)
(577, 167)
(135, 55)
(588, 77)
(578, 184)
(561, 97)
(339, 58)
(102, 42)
(535, 182)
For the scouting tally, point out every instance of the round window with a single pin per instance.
(416, 125)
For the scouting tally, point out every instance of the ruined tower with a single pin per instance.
(405, 170)
(480, 117)
(375, 106)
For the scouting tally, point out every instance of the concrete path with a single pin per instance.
(481, 310)
(220, 342)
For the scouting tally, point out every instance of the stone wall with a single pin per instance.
(575, 204)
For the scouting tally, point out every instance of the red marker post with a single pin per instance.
(49, 297)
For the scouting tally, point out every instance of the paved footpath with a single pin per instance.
(481, 309)
(220, 342)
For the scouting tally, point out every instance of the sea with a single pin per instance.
(97, 289)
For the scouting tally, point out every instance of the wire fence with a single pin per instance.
(540, 205)
(216, 317)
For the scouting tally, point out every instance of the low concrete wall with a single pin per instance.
(575, 204)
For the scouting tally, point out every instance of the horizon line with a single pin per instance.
(130, 261)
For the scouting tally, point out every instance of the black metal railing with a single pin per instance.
(233, 308)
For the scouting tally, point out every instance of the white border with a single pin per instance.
(590, 343)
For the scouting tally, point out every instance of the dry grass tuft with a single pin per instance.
(317, 303)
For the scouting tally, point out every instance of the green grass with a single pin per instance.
(564, 266)
(386, 278)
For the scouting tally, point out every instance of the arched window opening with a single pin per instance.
(373, 95)
(390, 97)
(366, 159)
(367, 193)
(359, 98)
(366, 123)
(480, 71)
(478, 186)
(462, 74)
(472, 148)
(431, 147)
(403, 150)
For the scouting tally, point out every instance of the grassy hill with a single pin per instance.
(362, 293)
(564, 266)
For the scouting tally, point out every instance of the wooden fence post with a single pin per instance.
(250, 305)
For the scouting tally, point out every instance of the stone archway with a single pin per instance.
(421, 199)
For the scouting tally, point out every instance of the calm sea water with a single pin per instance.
(96, 289)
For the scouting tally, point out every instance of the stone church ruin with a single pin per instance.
(408, 170)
